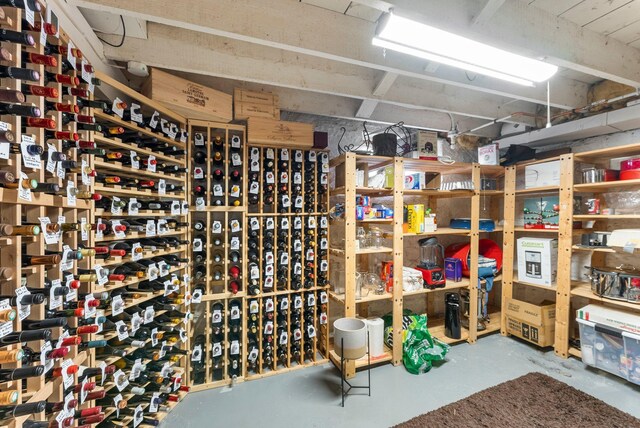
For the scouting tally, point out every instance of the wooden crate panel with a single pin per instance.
(243, 111)
(253, 97)
(261, 131)
(192, 100)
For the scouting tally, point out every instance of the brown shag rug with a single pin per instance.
(533, 400)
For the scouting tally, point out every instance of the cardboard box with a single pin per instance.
(192, 100)
(427, 144)
(542, 174)
(610, 317)
(542, 212)
(269, 132)
(537, 260)
(414, 181)
(489, 154)
(535, 323)
(415, 218)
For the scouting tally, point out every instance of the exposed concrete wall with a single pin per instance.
(594, 143)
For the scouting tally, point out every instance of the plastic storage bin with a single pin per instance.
(603, 347)
(632, 351)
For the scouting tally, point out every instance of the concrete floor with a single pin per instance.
(311, 397)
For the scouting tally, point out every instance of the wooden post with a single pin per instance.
(508, 242)
(398, 256)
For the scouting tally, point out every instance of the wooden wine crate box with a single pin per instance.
(248, 104)
(192, 100)
(261, 131)
(254, 97)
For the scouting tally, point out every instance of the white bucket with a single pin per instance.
(352, 334)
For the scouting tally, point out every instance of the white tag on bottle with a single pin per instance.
(150, 228)
(51, 164)
(136, 116)
(6, 327)
(29, 160)
(175, 208)
(67, 378)
(133, 206)
(153, 122)
(117, 399)
(71, 193)
(46, 363)
(49, 238)
(149, 313)
(153, 402)
(24, 194)
(89, 310)
(86, 75)
(162, 187)
(73, 293)
(135, 162)
(116, 107)
(4, 149)
(23, 310)
(196, 353)
(66, 263)
(103, 276)
(117, 305)
(235, 243)
(136, 322)
(29, 14)
(154, 337)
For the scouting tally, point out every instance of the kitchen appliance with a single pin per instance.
(619, 283)
(452, 316)
(533, 264)
(595, 239)
(628, 164)
(598, 175)
(432, 263)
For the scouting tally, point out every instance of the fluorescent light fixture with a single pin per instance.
(413, 38)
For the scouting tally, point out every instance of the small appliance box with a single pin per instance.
(542, 212)
(538, 260)
(415, 218)
(533, 323)
(453, 269)
(542, 174)
(610, 317)
(489, 154)
(414, 181)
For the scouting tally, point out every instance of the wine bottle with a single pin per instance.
(29, 260)
(7, 375)
(11, 36)
(22, 409)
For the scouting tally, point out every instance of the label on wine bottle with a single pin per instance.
(148, 315)
(324, 299)
(324, 178)
(73, 293)
(311, 331)
(297, 245)
(297, 223)
(66, 263)
(163, 349)
(55, 301)
(117, 305)
(284, 177)
(311, 300)
(297, 302)
(255, 272)
(24, 194)
(99, 232)
(310, 255)
(269, 154)
(135, 161)
(5, 327)
(286, 202)
(86, 75)
(269, 306)
(324, 244)
(255, 166)
(122, 329)
(284, 259)
(23, 310)
(62, 415)
(268, 327)
(324, 266)
(165, 127)
(297, 268)
(117, 230)
(254, 188)
(83, 391)
(116, 107)
(268, 281)
(270, 178)
(283, 338)
(29, 160)
(117, 399)
(151, 164)
(153, 402)
(29, 14)
(4, 149)
(175, 208)
(235, 243)
(297, 334)
(298, 201)
(44, 362)
(269, 257)
(234, 349)
(89, 309)
(323, 223)
(200, 204)
(67, 378)
(51, 164)
(198, 139)
(284, 303)
(168, 287)
(163, 268)
(196, 296)
(269, 224)
(136, 322)
(297, 178)
(154, 337)
(103, 275)
(150, 229)
(133, 206)
(49, 238)
(312, 156)
(254, 223)
(218, 190)
(311, 223)
(136, 370)
(298, 156)
(236, 160)
(85, 177)
(323, 318)
(325, 168)
(255, 153)
(72, 60)
(152, 272)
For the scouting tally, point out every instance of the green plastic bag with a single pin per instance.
(419, 349)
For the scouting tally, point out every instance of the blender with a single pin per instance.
(432, 263)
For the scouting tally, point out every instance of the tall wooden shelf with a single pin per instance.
(346, 191)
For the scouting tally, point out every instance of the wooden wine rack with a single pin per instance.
(15, 210)
(179, 273)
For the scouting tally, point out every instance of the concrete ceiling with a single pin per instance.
(319, 52)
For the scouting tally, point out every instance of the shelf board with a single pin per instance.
(10, 196)
(491, 170)
(132, 126)
(594, 249)
(441, 231)
(440, 193)
(491, 192)
(608, 153)
(424, 165)
(575, 352)
(380, 250)
(225, 209)
(607, 186)
(583, 289)
(370, 298)
(138, 235)
(376, 220)
(386, 356)
(145, 255)
(537, 161)
(362, 159)
(120, 191)
(118, 144)
(99, 212)
(437, 330)
(497, 229)
(450, 285)
(522, 229)
(529, 284)
(543, 189)
(606, 217)
(366, 191)
(136, 173)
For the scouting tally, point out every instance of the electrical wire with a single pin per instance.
(124, 35)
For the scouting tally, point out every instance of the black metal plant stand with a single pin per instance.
(342, 374)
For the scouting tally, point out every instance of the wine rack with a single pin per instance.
(60, 206)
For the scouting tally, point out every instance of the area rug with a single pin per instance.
(533, 400)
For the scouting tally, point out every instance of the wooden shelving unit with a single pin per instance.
(352, 260)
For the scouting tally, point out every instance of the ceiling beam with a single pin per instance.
(347, 39)
(489, 9)
(183, 50)
(368, 106)
(345, 108)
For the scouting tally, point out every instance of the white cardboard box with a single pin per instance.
(538, 260)
(542, 174)
(489, 154)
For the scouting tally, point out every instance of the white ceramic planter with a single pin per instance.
(354, 333)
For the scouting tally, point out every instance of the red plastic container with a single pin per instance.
(488, 248)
